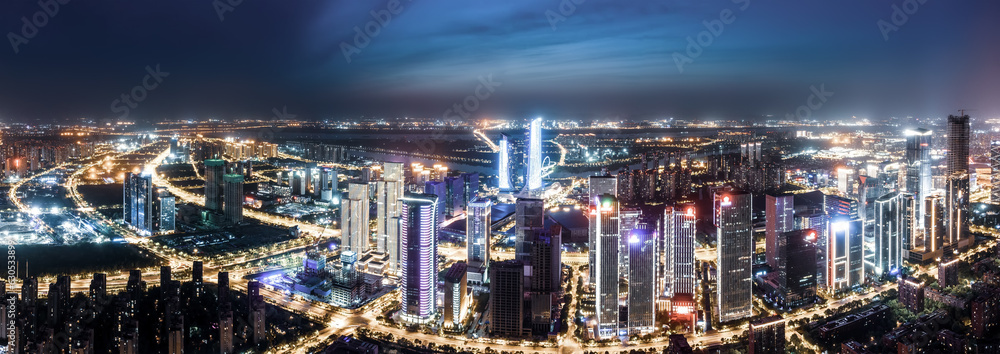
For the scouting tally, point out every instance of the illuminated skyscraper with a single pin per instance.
(599, 185)
(233, 202)
(642, 278)
(504, 167)
(418, 259)
(388, 211)
(354, 219)
(528, 215)
(214, 169)
(166, 210)
(845, 254)
(957, 197)
(678, 250)
(535, 155)
(734, 232)
(780, 214)
(607, 249)
(934, 224)
(995, 172)
(918, 165)
(894, 219)
(797, 267)
(478, 232)
(734, 237)
(139, 202)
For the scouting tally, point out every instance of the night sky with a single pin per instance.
(600, 59)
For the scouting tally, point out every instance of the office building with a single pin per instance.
(918, 165)
(796, 271)
(214, 170)
(528, 215)
(894, 219)
(678, 250)
(507, 299)
(233, 203)
(607, 277)
(478, 239)
(456, 298)
(734, 237)
(503, 174)
(439, 189)
(818, 221)
(544, 278)
(845, 255)
(418, 258)
(534, 159)
(354, 221)
(139, 203)
(642, 278)
(767, 335)
(957, 196)
(935, 228)
(780, 218)
(599, 185)
(166, 210)
(389, 209)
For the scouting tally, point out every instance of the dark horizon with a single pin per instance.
(591, 60)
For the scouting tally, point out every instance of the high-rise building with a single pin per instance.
(98, 286)
(734, 237)
(456, 299)
(214, 170)
(599, 185)
(418, 258)
(389, 209)
(894, 219)
(935, 229)
(845, 181)
(166, 210)
(439, 189)
(327, 184)
(534, 155)
(139, 203)
(504, 165)
(226, 328)
(957, 197)
(995, 172)
(354, 219)
(544, 277)
(507, 298)
(948, 272)
(233, 202)
(819, 221)
(478, 239)
(678, 250)
(528, 215)
(641, 273)
(767, 335)
(911, 294)
(780, 214)
(607, 278)
(845, 253)
(918, 165)
(797, 267)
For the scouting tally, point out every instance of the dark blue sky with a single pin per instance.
(607, 59)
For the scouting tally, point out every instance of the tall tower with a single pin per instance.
(995, 172)
(504, 173)
(606, 280)
(478, 238)
(507, 298)
(734, 232)
(214, 169)
(139, 202)
(234, 198)
(535, 155)
(844, 255)
(679, 228)
(894, 219)
(354, 219)
(389, 209)
(642, 278)
(780, 214)
(418, 258)
(918, 165)
(599, 185)
(797, 267)
(528, 215)
(958, 181)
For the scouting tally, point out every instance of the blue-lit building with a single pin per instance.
(418, 258)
